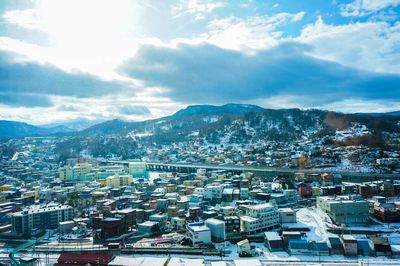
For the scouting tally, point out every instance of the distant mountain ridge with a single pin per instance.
(236, 123)
(14, 129)
(226, 123)
(229, 108)
(394, 113)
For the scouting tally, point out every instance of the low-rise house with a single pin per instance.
(395, 251)
(199, 233)
(381, 245)
(335, 246)
(302, 247)
(318, 248)
(386, 212)
(273, 241)
(217, 228)
(289, 236)
(144, 261)
(287, 215)
(298, 247)
(84, 259)
(232, 226)
(365, 247)
(349, 243)
(178, 223)
(148, 228)
(244, 248)
(161, 219)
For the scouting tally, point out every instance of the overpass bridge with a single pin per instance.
(259, 170)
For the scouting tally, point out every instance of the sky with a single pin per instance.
(94, 60)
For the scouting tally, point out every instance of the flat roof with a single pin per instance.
(39, 209)
(272, 236)
(348, 237)
(176, 261)
(138, 261)
(148, 223)
(247, 262)
(214, 221)
(248, 218)
(286, 210)
(198, 227)
(218, 263)
(260, 206)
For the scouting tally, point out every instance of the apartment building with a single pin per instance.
(213, 192)
(345, 210)
(259, 218)
(26, 222)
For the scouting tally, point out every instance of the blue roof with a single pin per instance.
(298, 244)
(318, 246)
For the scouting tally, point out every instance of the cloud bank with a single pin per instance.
(209, 74)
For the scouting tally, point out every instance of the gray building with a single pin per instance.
(345, 210)
(39, 219)
(217, 228)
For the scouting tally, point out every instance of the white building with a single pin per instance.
(287, 215)
(213, 192)
(259, 218)
(80, 172)
(199, 233)
(178, 223)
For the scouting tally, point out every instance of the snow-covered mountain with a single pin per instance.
(236, 123)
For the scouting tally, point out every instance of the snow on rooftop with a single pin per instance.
(185, 262)
(139, 261)
(272, 236)
(260, 206)
(218, 263)
(247, 262)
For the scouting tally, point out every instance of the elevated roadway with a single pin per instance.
(260, 170)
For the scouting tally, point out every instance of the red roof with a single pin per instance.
(84, 259)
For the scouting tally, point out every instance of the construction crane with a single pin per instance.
(14, 251)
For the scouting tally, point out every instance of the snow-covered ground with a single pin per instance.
(354, 131)
(313, 219)
(267, 257)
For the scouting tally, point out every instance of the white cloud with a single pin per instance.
(198, 8)
(92, 36)
(258, 32)
(360, 8)
(95, 109)
(24, 18)
(371, 46)
(362, 106)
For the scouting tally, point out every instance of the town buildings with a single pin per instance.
(199, 233)
(259, 218)
(35, 220)
(344, 210)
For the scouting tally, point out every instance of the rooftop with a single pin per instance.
(260, 206)
(198, 227)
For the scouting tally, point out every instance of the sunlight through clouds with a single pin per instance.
(96, 41)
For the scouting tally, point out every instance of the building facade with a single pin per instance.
(259, 218)
(345, 210)
(26, 221)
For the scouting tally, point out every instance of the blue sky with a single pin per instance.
(63, 60)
